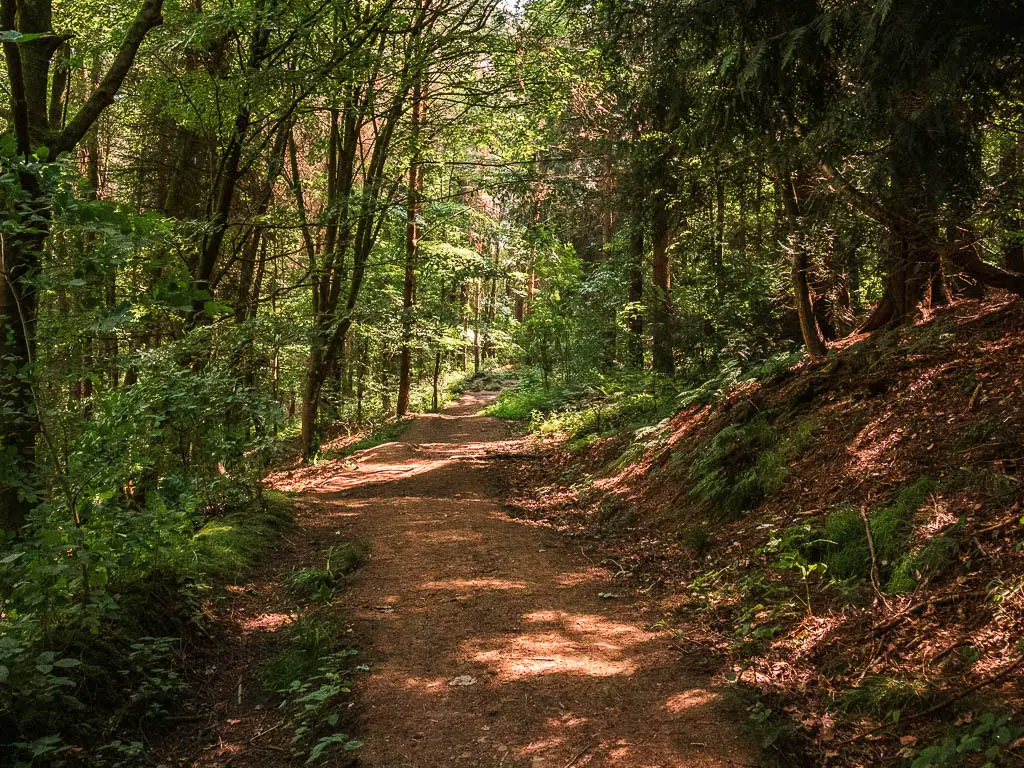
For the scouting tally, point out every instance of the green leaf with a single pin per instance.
(14, 36)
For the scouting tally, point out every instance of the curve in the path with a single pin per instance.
(489, 639)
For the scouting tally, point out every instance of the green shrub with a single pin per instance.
(845, 544)
(521, 404)
(746, 463)
(88, 616)
(990, 735)
(321, 583)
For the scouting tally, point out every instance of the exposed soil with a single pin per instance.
(943, 399)
(491, 641)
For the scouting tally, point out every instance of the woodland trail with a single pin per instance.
(491, 642)
(455, 591)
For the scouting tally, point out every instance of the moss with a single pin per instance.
(226, 547)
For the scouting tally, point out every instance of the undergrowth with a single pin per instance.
(86, 651)
(321, 583)
(309, 678)
(746, 463)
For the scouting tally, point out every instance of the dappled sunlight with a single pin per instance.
(266, 622)
(687, 700)
(874, 447)
(427, 685)
(580, 645)
(483, 585)
(446, 537)
(551, 653)
(378, 473)
(492, 644)
(578, 578)
(589, 623)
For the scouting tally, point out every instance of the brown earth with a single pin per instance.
(491, 641)
(942, 399)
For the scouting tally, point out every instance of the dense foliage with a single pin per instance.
(230, 230)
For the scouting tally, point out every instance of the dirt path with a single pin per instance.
(488, 639)
(490, 642)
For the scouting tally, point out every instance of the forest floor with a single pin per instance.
(488, 641)
(837, 670)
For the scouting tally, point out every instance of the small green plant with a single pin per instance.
(321, 583)
(886, 698)
(990, 737)
(790, 550)
(697, 538)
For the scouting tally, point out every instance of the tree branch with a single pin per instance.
(149, 16)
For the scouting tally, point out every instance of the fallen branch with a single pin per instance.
(943, 704)
(875, 580)
(578, 755)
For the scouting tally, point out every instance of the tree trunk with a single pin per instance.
(437, 376)
(661, 311)
(476, 325)
(19, 426)
(802, 293)
(636, 291)
(411, 250)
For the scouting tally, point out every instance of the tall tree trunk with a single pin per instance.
(412, 236)
(476, 325)
(1012, 172)
(661, 311)
(794, 201)
(718, 261)
(636, 291)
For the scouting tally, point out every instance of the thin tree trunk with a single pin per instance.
(636, 291)
(794, 203)
(661, 311)
(412, 236)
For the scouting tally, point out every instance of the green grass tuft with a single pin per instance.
(885, 697)
(846, 551)
(321, 583)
